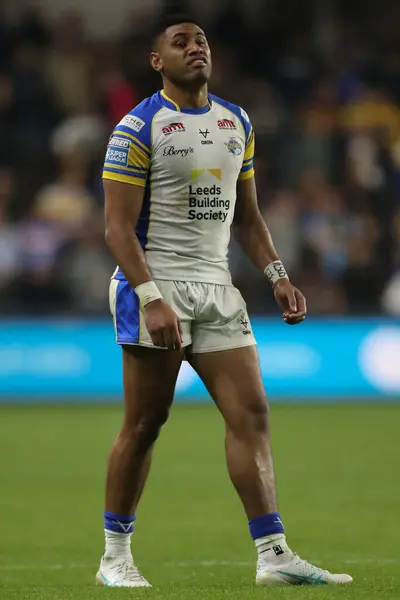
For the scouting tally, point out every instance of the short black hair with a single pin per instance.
(169, 20)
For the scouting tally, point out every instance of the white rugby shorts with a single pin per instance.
(213, 317)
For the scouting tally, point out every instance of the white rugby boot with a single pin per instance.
(278, 565)
(120, 572)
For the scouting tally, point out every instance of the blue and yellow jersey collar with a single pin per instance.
(169, 103)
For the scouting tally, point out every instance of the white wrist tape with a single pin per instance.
(147, 292)
(275, 271)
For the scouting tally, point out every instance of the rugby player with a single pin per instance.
(178, 174)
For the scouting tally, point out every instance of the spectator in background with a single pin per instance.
(325, 224)
(61, 213)
(297, 68)
(364, 277)
(5, 43)
(327, 129)
(391, 292)
(324, 296)
(7, 144)
(10, 263)
(371, 118)
(86, 266)
(118, 95)
(34, 108)
(312, 146)
(32, 29)
(69, 67)
(282, 216)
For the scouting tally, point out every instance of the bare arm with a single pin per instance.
(251, 232)
(123, 203)
(249, 227)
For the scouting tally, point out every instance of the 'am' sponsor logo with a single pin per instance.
(226, 124)
(172, 127)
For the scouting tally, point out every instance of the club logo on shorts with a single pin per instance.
(234, 146)
(172, 127)
(244, 322)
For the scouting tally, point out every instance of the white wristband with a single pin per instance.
(147, 292)
(275, 271)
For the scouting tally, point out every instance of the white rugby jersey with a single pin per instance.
(189, 162)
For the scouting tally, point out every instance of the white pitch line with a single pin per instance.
(43, 567)
(202, 563)
(211, 563)
(371, 561)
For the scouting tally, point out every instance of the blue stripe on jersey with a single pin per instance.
(131, 139)
(247, 167)
(171, 104)
(125, 171)
(196, 111)
(145, 111)
(127, 315)
(142, 226)
(136, 168)
(236, 110)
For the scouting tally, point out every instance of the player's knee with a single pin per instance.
(148, 426)
(255, 417)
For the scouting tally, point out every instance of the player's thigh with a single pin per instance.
(233, 379)
(223, 322)
(149, 377)
(129, 324)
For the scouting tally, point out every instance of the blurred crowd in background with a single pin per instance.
(326, 112)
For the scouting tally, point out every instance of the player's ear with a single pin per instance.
(155, 61)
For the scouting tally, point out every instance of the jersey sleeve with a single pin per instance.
(247, 170)
(129, 151)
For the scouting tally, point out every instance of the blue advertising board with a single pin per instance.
(357, 359)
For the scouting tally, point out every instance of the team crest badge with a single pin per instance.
(234, 146)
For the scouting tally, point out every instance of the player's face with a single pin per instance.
(183, 55)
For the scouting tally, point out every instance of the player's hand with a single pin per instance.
(291, 301)
(163, 325)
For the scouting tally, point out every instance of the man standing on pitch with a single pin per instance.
(178, 174)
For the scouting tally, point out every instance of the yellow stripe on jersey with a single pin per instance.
(134, 139)
(139, 172)
(178, 108)
(248, 162)
(246, 174)
(114, 176)
(137, 158)
(250, 147)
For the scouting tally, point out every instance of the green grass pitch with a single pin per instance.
(338, 480)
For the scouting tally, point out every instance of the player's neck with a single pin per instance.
(187, 98)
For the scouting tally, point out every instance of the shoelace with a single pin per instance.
(300, 561)
(129, 570)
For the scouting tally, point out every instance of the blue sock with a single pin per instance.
(118, 523)
(266, 525)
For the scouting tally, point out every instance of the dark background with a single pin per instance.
(321, 83)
